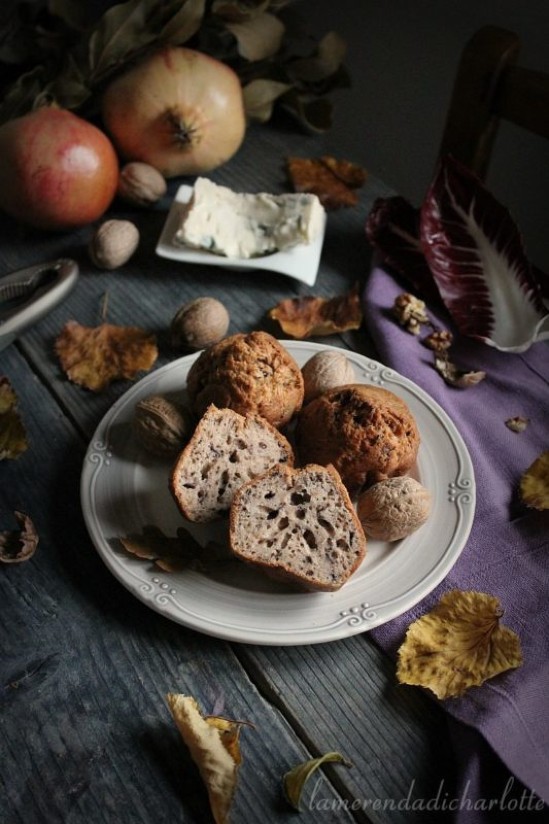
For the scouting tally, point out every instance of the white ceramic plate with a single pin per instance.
(123, 488)
(301, 262)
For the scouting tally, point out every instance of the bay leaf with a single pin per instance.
(184, 23)
(314, 114)
(72, 12)
(237, 11)
(121, 31)
(259, 97)
(325, 62)
(22, 94)
(259, 37)
(69, 89)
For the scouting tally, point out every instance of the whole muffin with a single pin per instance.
(250, 373)
(366, 432)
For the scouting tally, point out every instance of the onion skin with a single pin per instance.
(57, 171)
(179, 110)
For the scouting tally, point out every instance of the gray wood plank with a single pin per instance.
(394, 735)
(84, 668)
(102, 707)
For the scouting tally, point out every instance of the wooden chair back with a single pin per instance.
(489, 87)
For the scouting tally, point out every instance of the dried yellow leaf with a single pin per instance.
(309, 315)
(13, 439)
(94, 356)
(295, 780)
(459, 644)
(214, 747)
(534, 484)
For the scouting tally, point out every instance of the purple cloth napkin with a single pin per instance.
(507, 553)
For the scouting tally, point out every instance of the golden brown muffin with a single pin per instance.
(366, 432)
(250, 373)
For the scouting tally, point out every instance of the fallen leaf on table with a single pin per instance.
(19, 545)
(458, 644)
(333, 181)
(534, 484)
(309, 315)
(13, 438)
(173, 554)
(95, 356)
(517, 424)
(214, 746)
(295, 779)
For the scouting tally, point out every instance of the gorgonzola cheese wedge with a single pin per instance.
(247, 225)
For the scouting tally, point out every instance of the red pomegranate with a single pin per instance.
(57, 171)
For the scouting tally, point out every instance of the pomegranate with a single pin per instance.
(179, 110)
(57, 171)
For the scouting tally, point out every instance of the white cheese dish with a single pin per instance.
(299, 261)
(237, 225)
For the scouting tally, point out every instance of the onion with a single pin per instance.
(179, 110)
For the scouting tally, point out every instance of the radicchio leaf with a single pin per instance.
(392, 228)
(476, 255)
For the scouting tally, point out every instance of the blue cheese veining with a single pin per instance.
(248, 225)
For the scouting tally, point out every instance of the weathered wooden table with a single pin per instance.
(86, 735)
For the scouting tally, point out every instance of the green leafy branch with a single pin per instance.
(264, 41)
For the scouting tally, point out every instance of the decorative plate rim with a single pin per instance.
(322, 616)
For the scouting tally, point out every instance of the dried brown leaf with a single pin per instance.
(173, 554)
(351, 174)
(18, 545)
(214, 746)
(333, 181)
(93, 357)
(457, 645)
(534, 484)
(454, 376)
(307, 316)
(13, 438)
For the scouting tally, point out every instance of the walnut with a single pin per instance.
(410, 312)
(161, 426)
(113, 243)
(141, 184)
(439, 341)
(198, 324)
(393, 508)
(324, 371)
